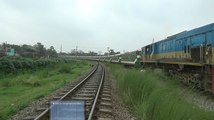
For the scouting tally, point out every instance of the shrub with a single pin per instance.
(32, 81)
(17, 64)
(8, 67)
(14, 64)
(44, 74)
(65, 69)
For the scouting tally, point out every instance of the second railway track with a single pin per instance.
(93, 90)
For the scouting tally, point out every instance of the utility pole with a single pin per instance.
(76, 51)
(108, 50)
(61, 49)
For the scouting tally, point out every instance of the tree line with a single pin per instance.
(33, 51)
(75, 52)
(40, 51)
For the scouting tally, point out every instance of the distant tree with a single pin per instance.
(37, 50)
(40, 49)
(91, 53)
(73, 52)
(117, 53)
(4, 45)
(81, 53)
(52, 52)
(18, 48)
(106, 53)
(27, 51)
(28, 48)
(111, 52)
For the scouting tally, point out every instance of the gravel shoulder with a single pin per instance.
(202, 99)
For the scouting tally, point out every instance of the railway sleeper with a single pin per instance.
(41, 109)
(29, 118)
(82, 98)
(85, 95)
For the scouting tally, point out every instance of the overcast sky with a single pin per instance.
(97, 24)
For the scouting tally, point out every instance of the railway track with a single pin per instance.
(93, 90)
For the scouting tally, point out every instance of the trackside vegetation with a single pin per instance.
(17, 90)
(18, 64)
(151, 95)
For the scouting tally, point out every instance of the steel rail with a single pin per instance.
(46, 112)
(97, 96)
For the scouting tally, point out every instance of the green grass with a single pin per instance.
(151, 95)
(17, 91)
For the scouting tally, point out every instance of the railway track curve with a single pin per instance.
(93, 90)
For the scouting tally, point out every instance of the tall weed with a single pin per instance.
(65, 69)
(153, 96)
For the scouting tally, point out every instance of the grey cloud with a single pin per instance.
(121, 25)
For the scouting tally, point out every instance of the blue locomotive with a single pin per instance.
(186, 52)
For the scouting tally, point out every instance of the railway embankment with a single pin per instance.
(19, 89)
(152, 95)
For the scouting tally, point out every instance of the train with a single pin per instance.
(186, 55)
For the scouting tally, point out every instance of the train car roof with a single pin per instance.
(196, 31)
